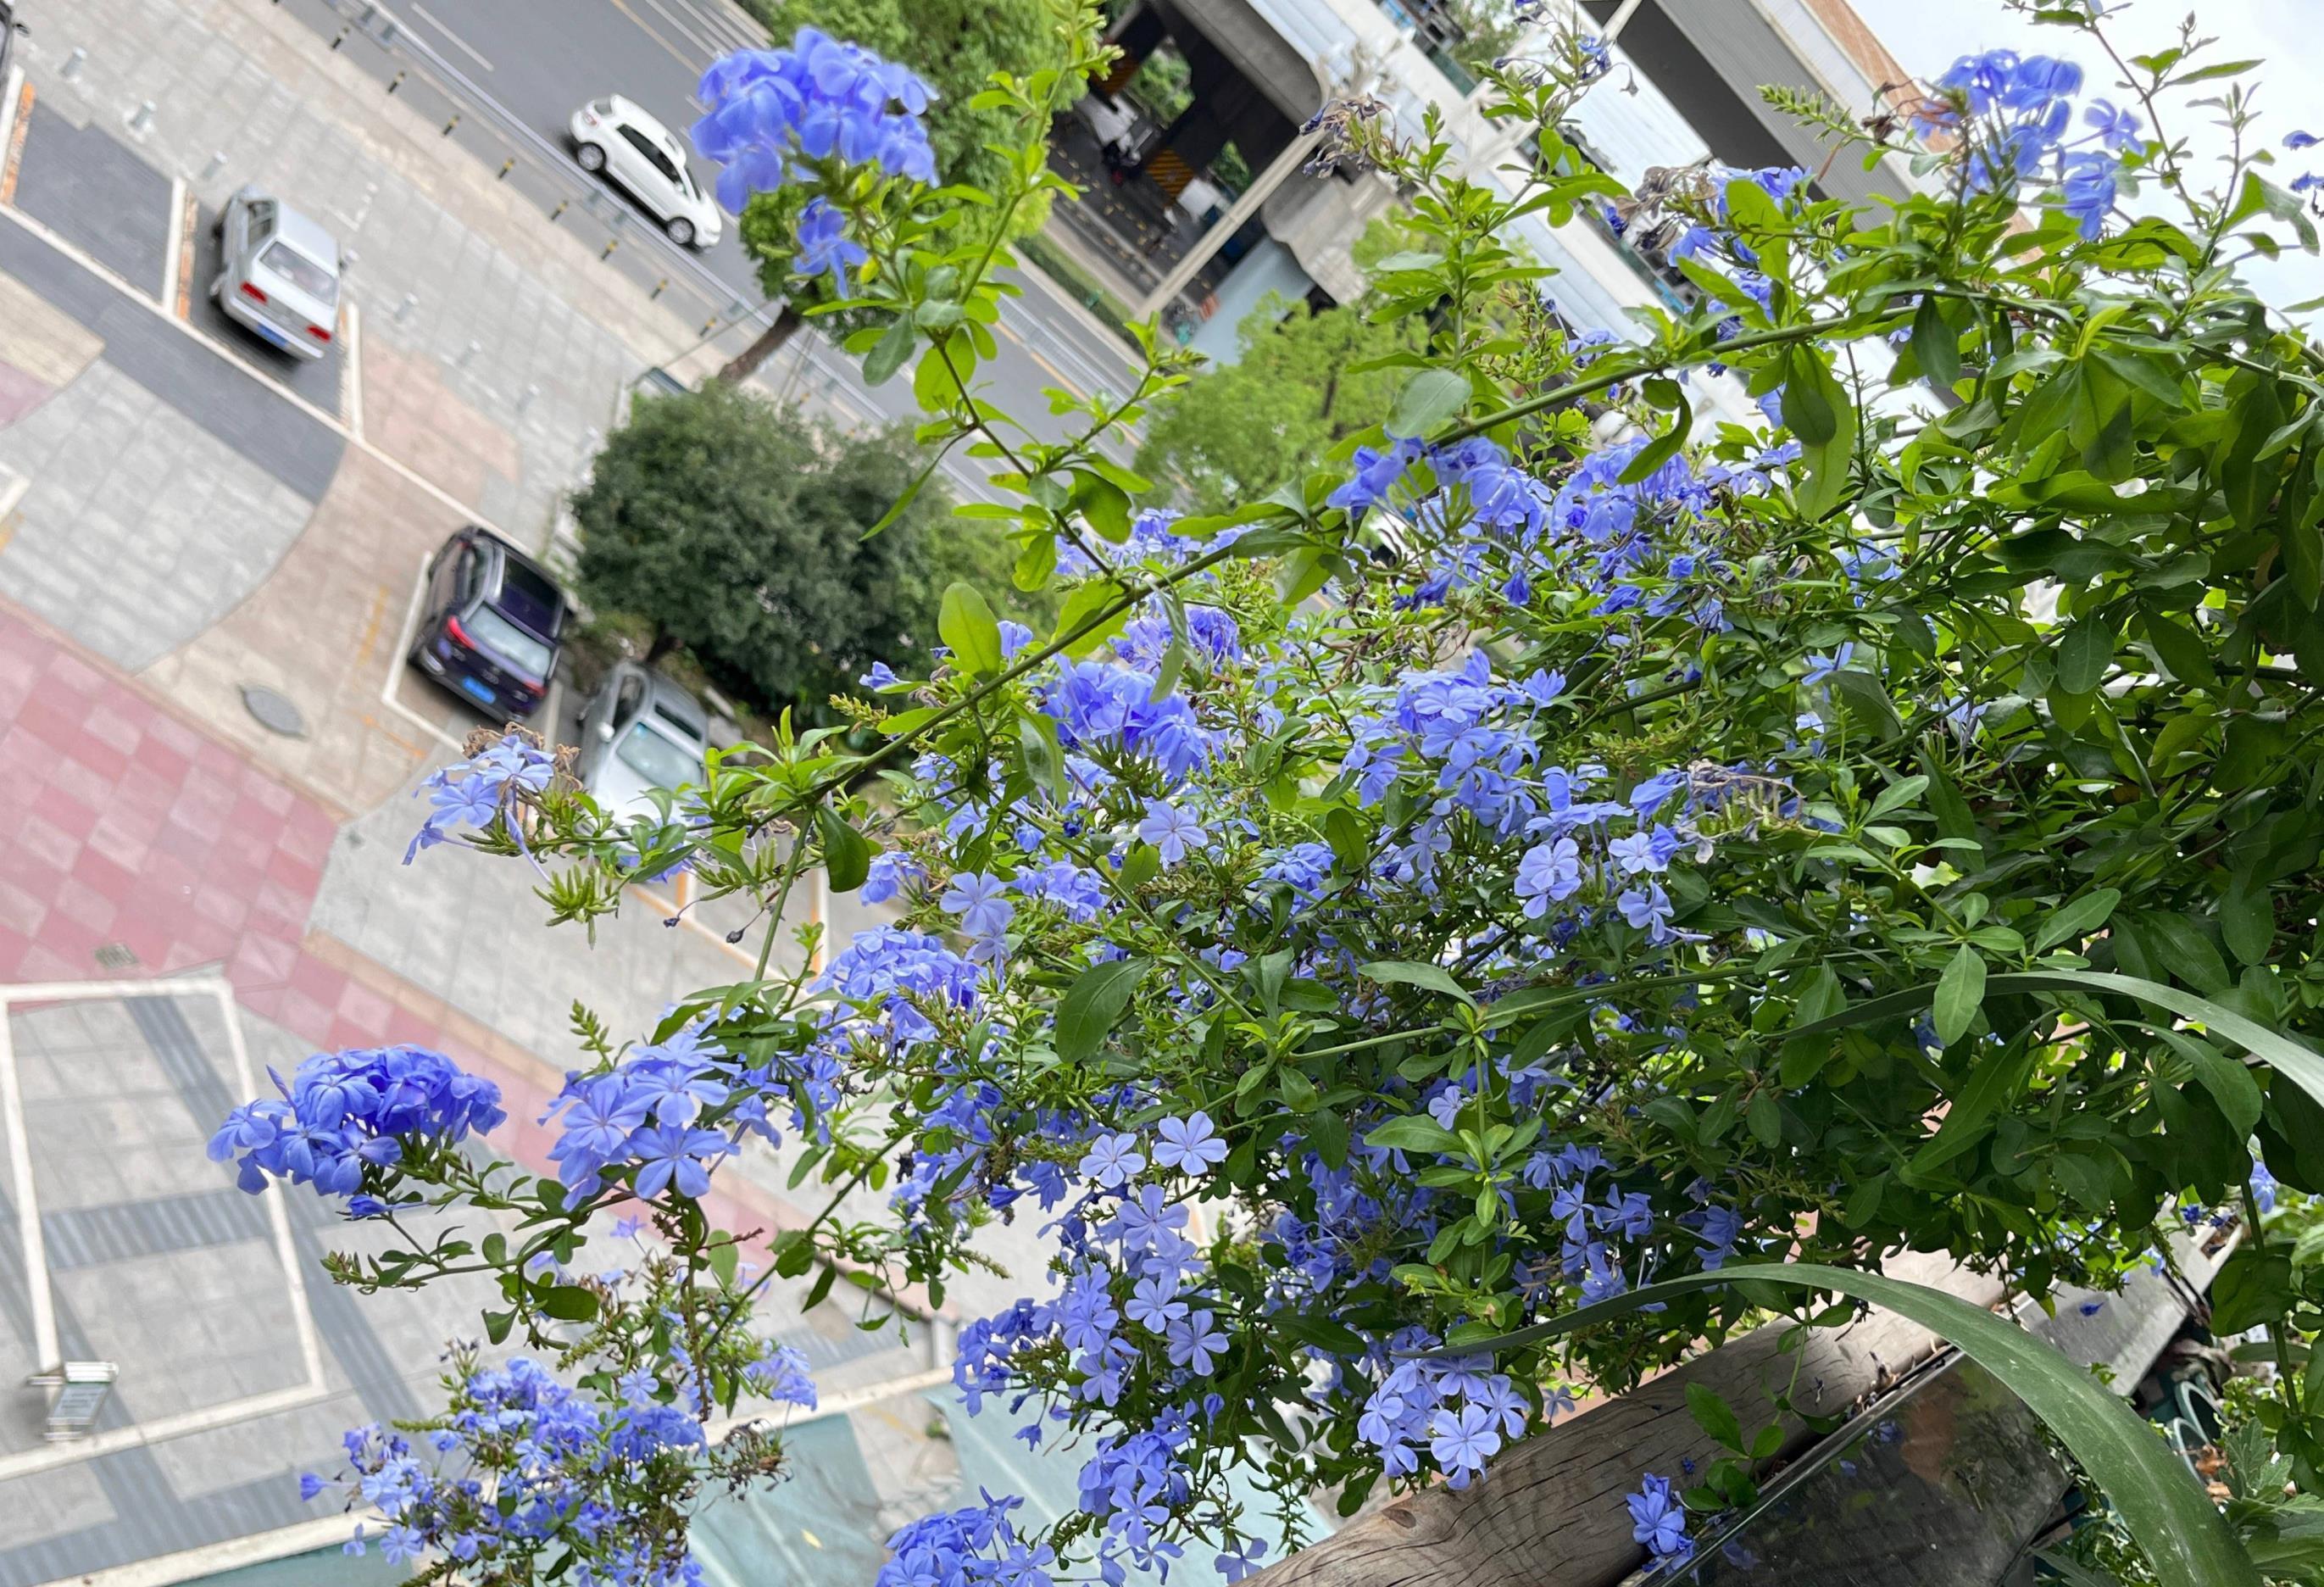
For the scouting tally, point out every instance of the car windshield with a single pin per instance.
(511, 643)
(301, 273)
(661, 763)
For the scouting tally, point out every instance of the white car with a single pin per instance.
(278, 274)
(640, 732)
(614, 137)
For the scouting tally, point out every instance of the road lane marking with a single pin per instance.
(647, 28)
(706, 46)
(457, 43)
(182, 289)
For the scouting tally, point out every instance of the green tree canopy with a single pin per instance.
(736, 527)
(1241, 430)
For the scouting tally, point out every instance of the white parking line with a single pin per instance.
(457, 43)
(47, 1354)
(351, 371)
(399, 658)
(203, 1418)
(709, 47)
(174, 254)
(187, 327)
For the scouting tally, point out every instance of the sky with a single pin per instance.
(2286, 36)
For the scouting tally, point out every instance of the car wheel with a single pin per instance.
(680, 230)
(590, 157)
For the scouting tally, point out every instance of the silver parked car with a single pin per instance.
(640, 732)
(280, 278)
(615, 138)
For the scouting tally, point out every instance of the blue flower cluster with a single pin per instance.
(1658, 1521)
(346, 1114)
(546, 1466)
(776, 116)
(2019, 110)
(482, 789)
(975, 1545)
(642, 1119)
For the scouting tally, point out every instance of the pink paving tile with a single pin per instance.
(292, 871)
(219, 760)
(21, 909)
(244, 847)
(262, 961)
(308, 833)
(124, 837)
(303, 1017)
(82, 781)
(259, 999)
(171, 876)
(273, 796)
(87, 749)
(280, 912)
(82, 904)
(47, 843)
(108, 877)
(75, 941)
(156, 757)
(222, 906)
(32, 875)
(403, 1026)
(345, 1033)
(69, 671)
(41, 961)
(54, 720)
(183, 841)
(361, 1007)
(14, 946)
(116, 728)
(170, 733)
(311, 977)
(67, 814)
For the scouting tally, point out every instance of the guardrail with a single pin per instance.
(413, 69)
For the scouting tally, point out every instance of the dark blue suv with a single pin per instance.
(490, 620)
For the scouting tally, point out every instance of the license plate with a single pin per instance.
(271, 334)
(477, 689)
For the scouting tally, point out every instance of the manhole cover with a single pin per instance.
(273, 711)
(117, 955)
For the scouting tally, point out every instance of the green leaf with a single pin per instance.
(2168, 1515)
(889, 352)
(1807, 407)
(1091, 1007)
(966, 622)
(1766, 1118)
(1435, 977)
(2077, 919)
(1714, 1416)
(569, 1303)
(1936, 344)
(2280, 1053)
(1864, 1202)
(2231, 1084)
(846, 857)
(497, 1325)
(2256, 1286)
(1960, 993)
(2084, 655)
(1996, 1079)
(1664, 446)
(1414, 1132)
(2247, 919)
(1432, 397)
(1082, 621)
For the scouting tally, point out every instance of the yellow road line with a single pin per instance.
(680, 56)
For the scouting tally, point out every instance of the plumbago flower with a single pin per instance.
(1570, 852)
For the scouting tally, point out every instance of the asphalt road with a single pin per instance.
(540, 58)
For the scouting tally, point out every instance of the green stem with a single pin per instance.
(2279, 1329)
(1712, 352)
